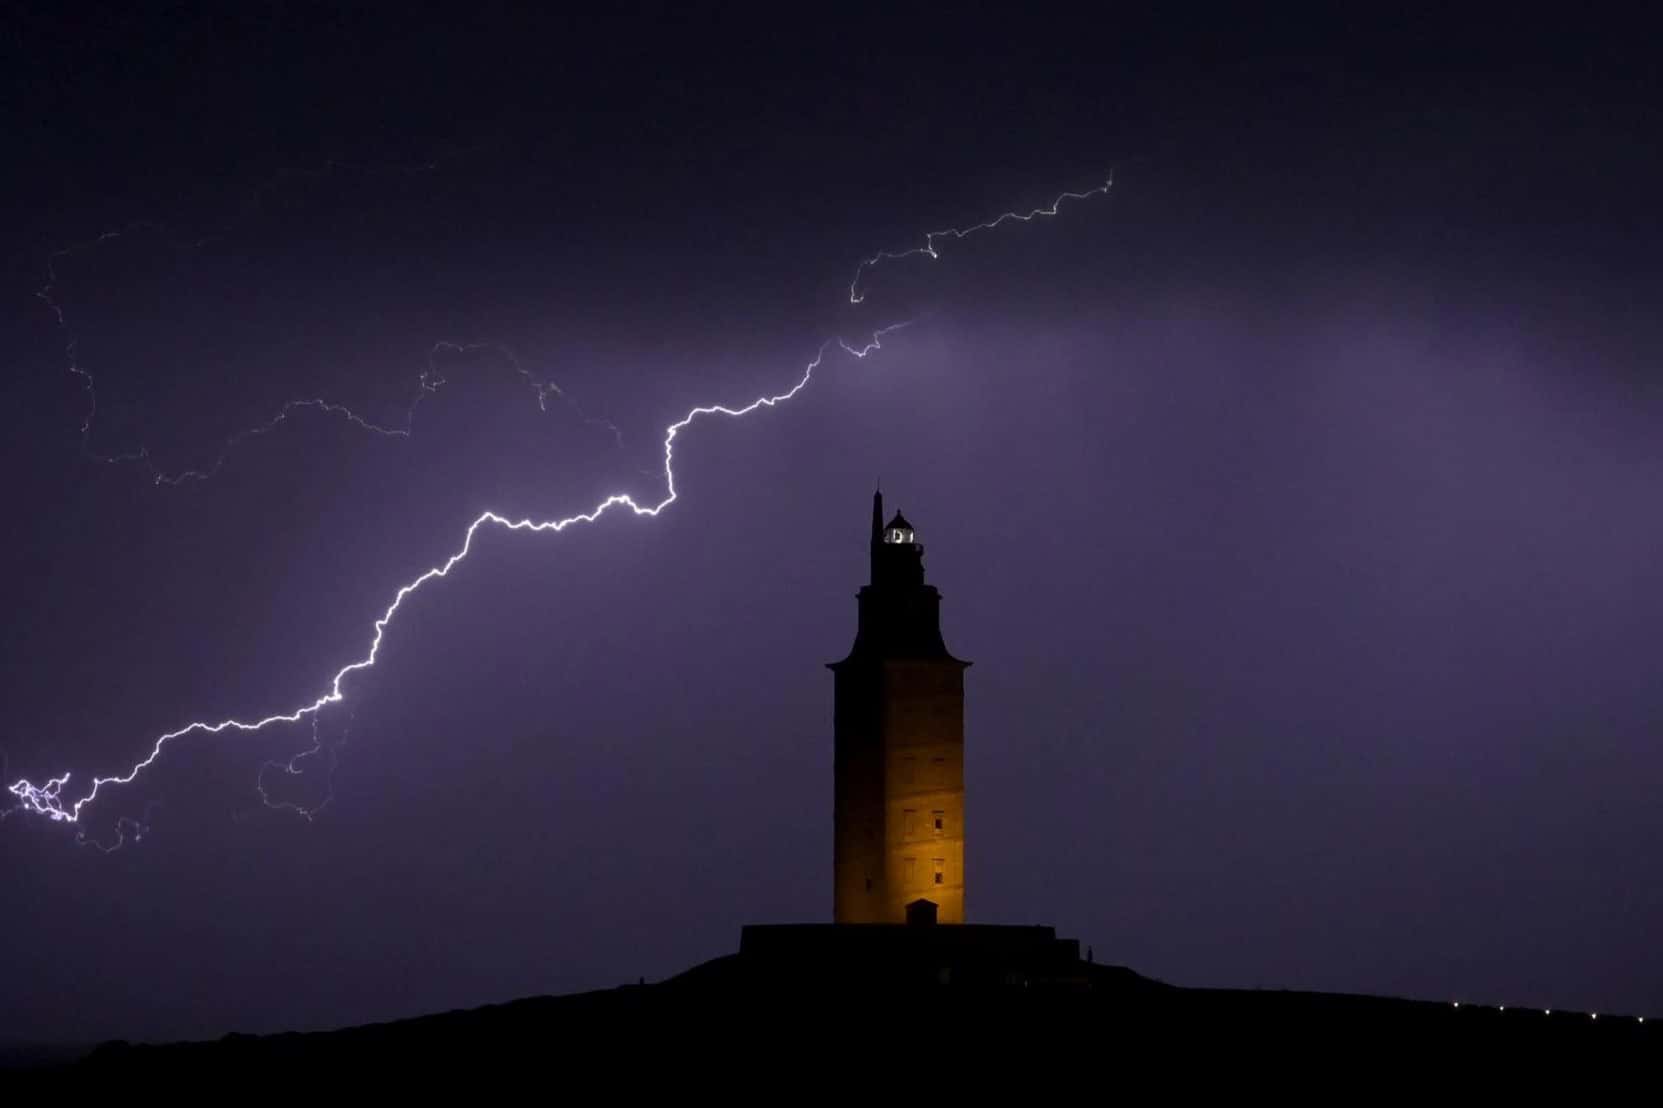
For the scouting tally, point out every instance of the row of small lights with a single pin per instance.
(1546, 1011)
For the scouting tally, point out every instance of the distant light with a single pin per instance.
(1458, 1004)
(1642, 1019)
(1503, 1008)
(1547, 1011)
(1593, 1015)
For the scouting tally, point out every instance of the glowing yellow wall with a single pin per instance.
(899, 762)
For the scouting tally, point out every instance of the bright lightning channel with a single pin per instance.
(48, 799)
(928, 250)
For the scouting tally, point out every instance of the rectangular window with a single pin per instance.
(938, 821)
(940, 865)
(938, 772)
(909, 867)
(909, 823)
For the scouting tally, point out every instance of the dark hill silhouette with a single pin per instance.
(995, 999)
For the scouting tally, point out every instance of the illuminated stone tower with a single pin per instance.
(899, 747)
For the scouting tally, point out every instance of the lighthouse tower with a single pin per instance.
(898, 810)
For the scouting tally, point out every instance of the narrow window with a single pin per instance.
(938, 772)
(938, 821)
(909, 866)
(940, 869)
(868, 884)
(909, 823)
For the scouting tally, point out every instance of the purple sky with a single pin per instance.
(1297, 502)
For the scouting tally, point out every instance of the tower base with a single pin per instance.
(890, 954)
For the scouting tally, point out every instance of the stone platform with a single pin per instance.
(900, 954)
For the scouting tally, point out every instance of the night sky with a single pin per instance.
(1298, 501)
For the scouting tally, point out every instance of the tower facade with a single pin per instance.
(898, 808)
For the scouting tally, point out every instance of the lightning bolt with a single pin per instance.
(292, 768)
(48, 799)
(928, 250)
